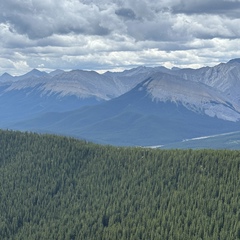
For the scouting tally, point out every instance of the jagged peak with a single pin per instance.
(33, 73)
(6, 77)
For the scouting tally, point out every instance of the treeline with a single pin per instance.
(55, 187)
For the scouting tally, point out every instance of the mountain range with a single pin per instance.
(143, 106)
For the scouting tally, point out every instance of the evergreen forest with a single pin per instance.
(54, 187)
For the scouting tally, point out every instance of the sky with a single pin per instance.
(114, 35)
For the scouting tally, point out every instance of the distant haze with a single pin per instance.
(142, 106)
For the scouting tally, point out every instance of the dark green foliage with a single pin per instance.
(61, 188)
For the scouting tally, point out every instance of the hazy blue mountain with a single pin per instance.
(134, 118)
(56, 72)
(35, 73)
(235, 60)
(128, 79)
(28, 103)
(141, 106)
(224, 77)
(37, 92)
(6, 77)
(195, 96)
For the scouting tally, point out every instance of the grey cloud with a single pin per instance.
(101, 33)
(224, 7)
(156, 31)
(42, 20)
(211, 35)
(142, 9)
(160, 29)
(126, 13)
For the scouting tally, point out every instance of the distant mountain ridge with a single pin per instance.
(6, 77)
(118, 107)
(134, 118)
(194, 96)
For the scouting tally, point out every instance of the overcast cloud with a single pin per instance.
(110, 35)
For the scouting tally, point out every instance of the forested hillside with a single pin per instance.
(60, 188)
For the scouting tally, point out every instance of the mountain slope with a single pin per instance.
(140, 106)
(138, 117)
(128, 79)
(82, 84)
(6, 78)
(224, 77)
(37, 92)
(195, 96)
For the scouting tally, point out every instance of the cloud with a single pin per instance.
(40, 19)
(223, 7)
(101, 34)
(126, 13)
